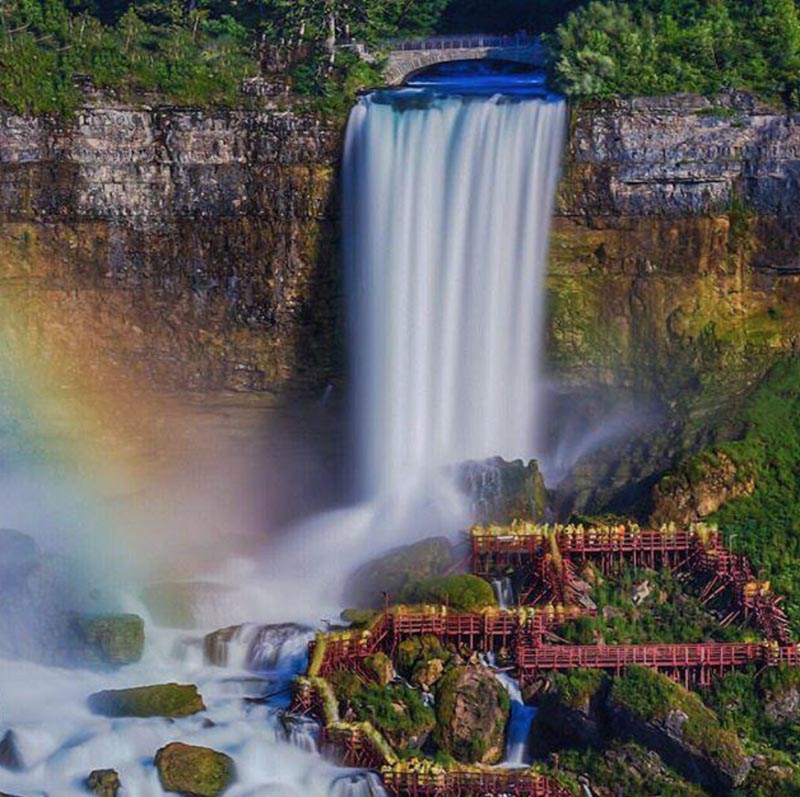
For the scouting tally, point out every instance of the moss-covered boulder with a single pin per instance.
(114, 639)
(398, 712)
(160, 700)
(655, 712)
(472, 711)
(462, 593)
(500, 491)
(394, 570)
(419, 650)
(104, 782)
(381, 668)
(426, 674)
(194, 771)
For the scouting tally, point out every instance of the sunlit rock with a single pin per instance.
(160, 700)
(472, 711)
(500, 491)
(194, 771)
(391, 572)
(104, 783)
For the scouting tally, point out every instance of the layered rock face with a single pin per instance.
(197, 248)
(674, 277)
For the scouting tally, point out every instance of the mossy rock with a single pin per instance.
(419, 649)
(115, 639)
(472, 712)
(104, 782)
(381, 668)
(160, 700)
(500, 491)
(461, 593)
(194, 771)
(391, 572)
(398, 712)
(654, 711)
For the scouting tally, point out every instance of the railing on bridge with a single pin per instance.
(463, 43)
(467, 783)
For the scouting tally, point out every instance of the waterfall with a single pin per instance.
(504, 591)
(519, 724)
(447, 207)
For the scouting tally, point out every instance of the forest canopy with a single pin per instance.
(198, 52)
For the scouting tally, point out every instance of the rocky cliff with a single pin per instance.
(201, 250)
(198, 248)
(674, 276)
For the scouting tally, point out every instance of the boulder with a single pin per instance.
(194, 771)
(104, 782)
(160, 700)
(500, 491)
(653, 711)
(699, 489)
(427, 673)
(461, 592)
(114, 639)
(418, 650)
(256, 647)
(24, 748)
(472, 711)
(391, 572)
(380, 666)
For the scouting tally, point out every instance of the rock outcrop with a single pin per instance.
(194, 771)
(393, 571)
(116, 639)
(159, 700)
(104, 783)
(472, 711)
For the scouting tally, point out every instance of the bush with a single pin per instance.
(462, 593)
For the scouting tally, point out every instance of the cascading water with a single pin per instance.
(448, 200)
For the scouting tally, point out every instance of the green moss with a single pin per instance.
(575, 687)
(195, 771)
(397, 711)
(113, 639)
(651, 697)
(418, 649)
(161, 700)
(462, 593)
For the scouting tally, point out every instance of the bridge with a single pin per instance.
(407, 56)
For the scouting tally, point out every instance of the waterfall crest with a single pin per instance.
(447, 207)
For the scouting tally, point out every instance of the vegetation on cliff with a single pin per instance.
(763, 520)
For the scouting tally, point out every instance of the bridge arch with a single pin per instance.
(408, 58)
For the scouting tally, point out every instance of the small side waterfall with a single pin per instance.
(504, 591)
(519, 726)
(447, 207)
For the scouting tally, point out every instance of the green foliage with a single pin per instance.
(462, 593)
(651, 696)
(394, 710)
(668, 614)
(766, 524)
(664, 46)
(575, 687)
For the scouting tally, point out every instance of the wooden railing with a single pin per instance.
(467, 783)
(477, 41)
